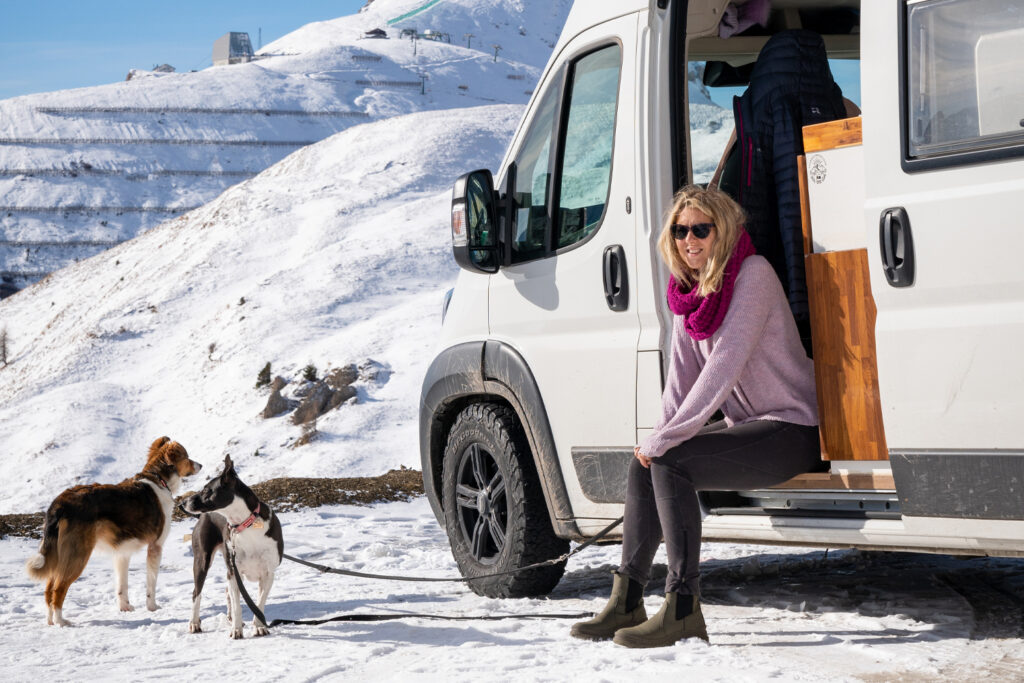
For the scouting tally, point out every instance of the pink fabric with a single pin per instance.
(739, 17)
(753, 368)
(704, 315)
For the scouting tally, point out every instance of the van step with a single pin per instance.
(851, 481)
(819, 514)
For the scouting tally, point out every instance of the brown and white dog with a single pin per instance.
(119, 517)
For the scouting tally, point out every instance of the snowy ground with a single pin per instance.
(773, 614)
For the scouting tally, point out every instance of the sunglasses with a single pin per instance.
(700, 230)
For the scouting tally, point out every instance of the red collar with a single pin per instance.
(249, 521)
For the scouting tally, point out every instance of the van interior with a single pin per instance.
(724, 40)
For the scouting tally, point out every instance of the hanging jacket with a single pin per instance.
(791, 86)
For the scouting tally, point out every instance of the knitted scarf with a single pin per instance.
(704, 315)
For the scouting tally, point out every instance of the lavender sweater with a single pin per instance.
(753, 367)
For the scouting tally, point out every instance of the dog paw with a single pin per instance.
(152, 606)
(126, 607)
(194, 627)
(236, 633)
(260, 630)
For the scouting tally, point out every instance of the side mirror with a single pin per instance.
(474, 223)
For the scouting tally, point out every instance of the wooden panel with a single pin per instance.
(832, 134)
(825, 480)
(805, 203)
(845, 369)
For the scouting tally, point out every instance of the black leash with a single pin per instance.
(323, 569)
(546, 563)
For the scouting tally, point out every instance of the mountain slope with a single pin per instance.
(337, 254)
(83, 169)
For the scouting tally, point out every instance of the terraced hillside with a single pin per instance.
(83, 170)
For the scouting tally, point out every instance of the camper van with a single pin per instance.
(555, 337)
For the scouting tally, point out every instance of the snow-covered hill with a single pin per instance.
(83, 169)
(336, 255)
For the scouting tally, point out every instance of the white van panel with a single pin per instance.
(949, 361)
(466, 319)
(938, 535)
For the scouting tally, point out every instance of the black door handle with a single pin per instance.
(897, 247)
(616, 281)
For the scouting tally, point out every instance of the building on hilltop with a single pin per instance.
(376, 33)
(233, 47)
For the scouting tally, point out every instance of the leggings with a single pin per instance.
(661, 501)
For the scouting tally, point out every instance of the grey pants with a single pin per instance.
(661, 501)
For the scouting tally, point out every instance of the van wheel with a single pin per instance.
(495, 514)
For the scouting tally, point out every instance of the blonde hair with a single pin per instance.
(728, 218)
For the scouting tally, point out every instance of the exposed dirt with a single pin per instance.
(287, 493)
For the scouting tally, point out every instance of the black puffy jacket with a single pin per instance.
(791, 86)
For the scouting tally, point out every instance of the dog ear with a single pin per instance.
(155, 447)
(228, 465)
(173, 452)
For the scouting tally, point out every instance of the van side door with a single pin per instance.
(944, 191)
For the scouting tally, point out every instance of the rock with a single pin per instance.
(306, 388)
(343, 376)
(340, 396)
(278, 384)
(314, 404)
(373, 371)
(277, 404)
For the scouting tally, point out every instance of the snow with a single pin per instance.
(337, 253)
(791, 614)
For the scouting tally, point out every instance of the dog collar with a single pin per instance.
(159, 480)
(249, 521)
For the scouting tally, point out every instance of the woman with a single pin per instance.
(735, 346)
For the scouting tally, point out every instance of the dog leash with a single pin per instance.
(258, 613)
(465, 579)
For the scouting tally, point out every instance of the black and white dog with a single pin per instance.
(234, 520)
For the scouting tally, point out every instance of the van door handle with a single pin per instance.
(616, 280)
(897, 247)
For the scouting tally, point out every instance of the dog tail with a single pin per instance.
(42, 564)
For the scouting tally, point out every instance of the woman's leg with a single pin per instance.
(752, 455)
(641, 529)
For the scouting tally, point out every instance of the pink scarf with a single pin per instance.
(704, 315)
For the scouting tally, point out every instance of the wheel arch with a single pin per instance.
(475, 372)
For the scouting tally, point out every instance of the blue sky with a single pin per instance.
(48, 45)
(56, 44)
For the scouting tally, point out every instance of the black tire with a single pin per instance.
(494, 508)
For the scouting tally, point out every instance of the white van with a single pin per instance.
(555, 337)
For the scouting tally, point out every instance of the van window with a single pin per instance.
(964, 90)
(533, 174)
(711, 115)
(589, 134)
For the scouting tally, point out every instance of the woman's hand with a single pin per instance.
(644, 460)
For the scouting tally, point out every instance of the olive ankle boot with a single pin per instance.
(678, 618)
(624, 608)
